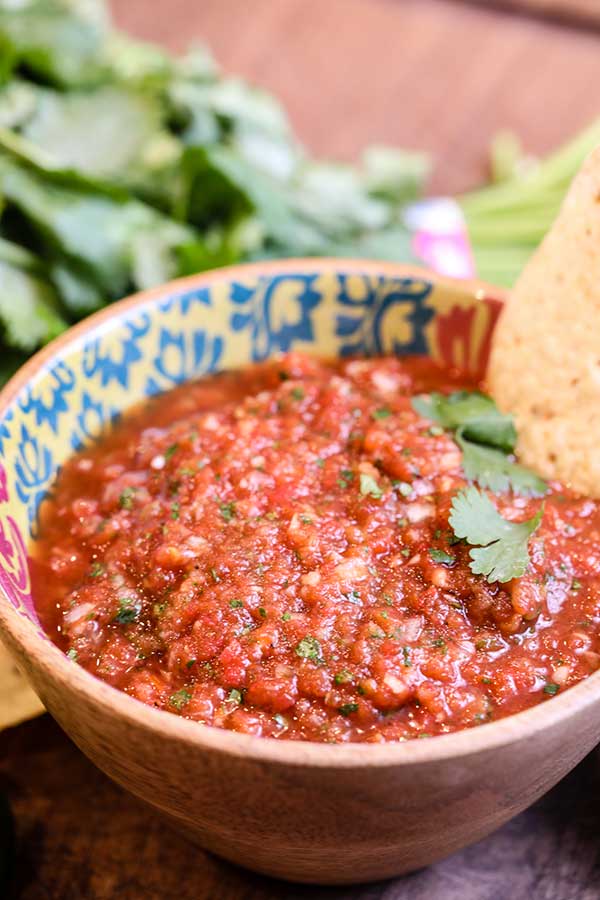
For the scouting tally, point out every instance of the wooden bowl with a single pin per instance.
(302, 811)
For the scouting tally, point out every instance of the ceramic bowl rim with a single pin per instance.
(464, 743)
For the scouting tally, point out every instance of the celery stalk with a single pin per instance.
(507, 220)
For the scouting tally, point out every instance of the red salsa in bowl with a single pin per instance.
(280, 551)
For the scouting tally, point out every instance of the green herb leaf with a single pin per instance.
(486, 437)
(501, 546)
(126, 498)
(382, 413)
(309, 648)
(475, 413)
(227, 510)
(127, 129)
(180, 698)
(442, 557)
(129, 611)
(492, 469)
(29, 314)
(369, 487)
(56, 41)
(96, 235)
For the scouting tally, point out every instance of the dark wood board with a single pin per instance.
(428, 74)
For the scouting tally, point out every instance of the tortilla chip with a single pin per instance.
(17, 700)
(545, 360)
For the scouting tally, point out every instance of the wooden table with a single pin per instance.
(426, 74)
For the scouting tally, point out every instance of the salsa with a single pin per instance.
(269, 551)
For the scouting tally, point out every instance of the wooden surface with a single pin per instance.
(427, 74)
(82, 838)
(578, 13)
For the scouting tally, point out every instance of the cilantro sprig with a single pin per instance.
(493, 469)
(500, 547)
(475, 413)
(486, 437)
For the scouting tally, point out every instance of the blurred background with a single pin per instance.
(437, 75)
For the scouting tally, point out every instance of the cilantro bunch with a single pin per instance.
(122, 166)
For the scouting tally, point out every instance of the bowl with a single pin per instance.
(301, 811)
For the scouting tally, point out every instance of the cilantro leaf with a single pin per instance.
(94, 231)
(127, 130)
(227, 510)
(56, 41)
(474, 412)
(486, 437)
(126, 497)
(382, 413)
(309, 648)
(501, 547)
(427, 405)
(369, 487)
(493, 469)
(17, 100)
(29, 315)
(180, 698)
(129, 611)
(441, 556)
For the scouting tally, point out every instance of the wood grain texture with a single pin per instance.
(79, 836)
(573, 12)
(425, 74)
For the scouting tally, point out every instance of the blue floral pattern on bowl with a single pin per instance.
(214, 321)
